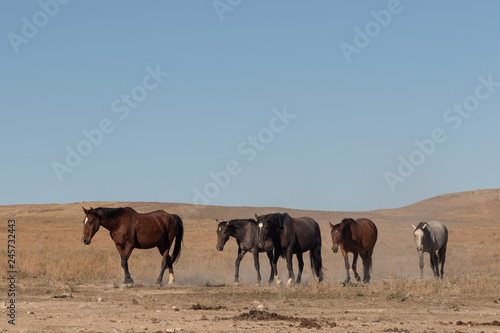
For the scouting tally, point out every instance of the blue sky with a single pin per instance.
(248, 103)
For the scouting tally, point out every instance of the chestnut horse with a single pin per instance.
(358, 237)
(130, 229)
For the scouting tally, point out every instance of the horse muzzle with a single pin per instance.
(86, 241)
(220, 247)
(335, 249)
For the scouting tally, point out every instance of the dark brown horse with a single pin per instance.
(358, 237)
(130, 230)
(292, 235)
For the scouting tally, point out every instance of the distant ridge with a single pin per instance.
(470, 206)
(479, 205)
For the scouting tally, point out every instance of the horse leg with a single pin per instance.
(275, 266)
(271, 277)
(442, 258)
(166, 261)
(289, 266)
(301, 267)
(354, 262)
(421, 257)
(240, 255)
(434, 264)
(256, 264)
(125, 253)
(346, 262)
(431, 256)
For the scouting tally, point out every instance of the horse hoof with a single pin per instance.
(128, 284)
(236, 283)
(171, 278)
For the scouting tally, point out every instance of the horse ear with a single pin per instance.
(257, 216)
(217, 220)
(84, 210)
(414, 228)
(331, 225)
(425, 226)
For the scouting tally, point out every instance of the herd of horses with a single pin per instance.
(278, 234)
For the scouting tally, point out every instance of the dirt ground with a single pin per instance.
(65, 286)
(112, 308)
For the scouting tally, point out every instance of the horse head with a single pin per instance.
(269, 225)
(222, 234)
(338, 233)
(91, 225)
(418, 234)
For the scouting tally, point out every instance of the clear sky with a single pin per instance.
(329, 105)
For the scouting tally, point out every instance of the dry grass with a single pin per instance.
(49, 250)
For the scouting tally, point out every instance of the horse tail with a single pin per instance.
(316, 262)
(315, 254)
(178, 239)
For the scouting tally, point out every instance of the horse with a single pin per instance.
(431, 237)
(245, 232)
(292, 236)
(358, 237)
(130, 229)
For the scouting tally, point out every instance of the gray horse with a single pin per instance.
(431, 237)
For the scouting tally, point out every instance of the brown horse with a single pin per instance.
(357, 237)
(129, 230)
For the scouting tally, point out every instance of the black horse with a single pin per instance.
(289, 236)
(245, 232)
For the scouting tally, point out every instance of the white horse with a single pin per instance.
(431, 237)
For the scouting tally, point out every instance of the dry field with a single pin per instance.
(65, 286)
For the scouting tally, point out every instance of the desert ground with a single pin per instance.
(63, 285)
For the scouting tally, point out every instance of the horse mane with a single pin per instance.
(276, 219)
(108, 213)
(281, 219)
(421, 225)
(237, 222)
(348, 220)
(242, 220)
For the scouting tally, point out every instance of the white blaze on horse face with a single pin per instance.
(419, 234)
(260, 225)
(86, 220)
